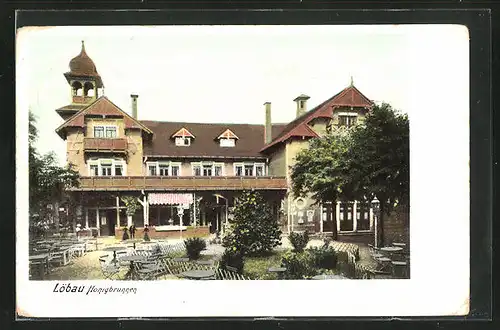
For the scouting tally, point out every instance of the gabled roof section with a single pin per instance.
(183, 132)
(228, 134)
(348, 97)
(102, 106)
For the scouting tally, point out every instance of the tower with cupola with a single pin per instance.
(85, 84)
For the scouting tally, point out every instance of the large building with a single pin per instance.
(197, 167)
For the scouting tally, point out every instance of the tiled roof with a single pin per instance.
(83, 66)
(348, 97)
(102, 106)
(72, 107)
(251, 140)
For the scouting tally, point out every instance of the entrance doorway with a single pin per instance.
(328, 217)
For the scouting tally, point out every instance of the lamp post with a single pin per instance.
(376, 210)
(180, 213)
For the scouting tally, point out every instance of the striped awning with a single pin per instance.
(170, 199)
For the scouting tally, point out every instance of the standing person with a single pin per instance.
(146, 235)
(132, 231)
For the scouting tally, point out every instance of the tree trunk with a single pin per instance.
(55, 209)
(129, 221)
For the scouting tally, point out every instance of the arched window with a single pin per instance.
(88, 89)
(76, 88)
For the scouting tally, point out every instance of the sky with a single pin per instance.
(225, 73)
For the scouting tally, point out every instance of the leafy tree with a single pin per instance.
(131, 204)
(48, 182)
(254, 230)
(371, 161)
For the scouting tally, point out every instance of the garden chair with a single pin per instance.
(109, 271)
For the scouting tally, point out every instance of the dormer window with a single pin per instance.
(182, 141)
(347, 119)
(227, 142)
(227, 139)
(183, 137)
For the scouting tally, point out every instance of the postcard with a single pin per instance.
(253, 170)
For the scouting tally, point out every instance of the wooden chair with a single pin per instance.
(109, 271)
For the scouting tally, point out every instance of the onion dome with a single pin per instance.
(83, 66)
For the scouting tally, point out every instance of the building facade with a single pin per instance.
(187, 175)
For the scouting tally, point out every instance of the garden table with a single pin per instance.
(329, 277)
(114, 249)
(65, 254)
(277, 270)
(181, 259)
(41, 257)
(402, 245)
(199, 274)
(205, 262)
(132, 274)
(391, 249)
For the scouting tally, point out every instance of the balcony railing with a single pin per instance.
(193, 183)
(101, 144)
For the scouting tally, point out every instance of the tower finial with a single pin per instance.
(83, 46)
(352, 82)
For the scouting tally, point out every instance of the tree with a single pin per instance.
(48, 182)
(254, 230)
(371, 161)
(132, 205)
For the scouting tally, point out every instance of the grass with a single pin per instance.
(256, 267)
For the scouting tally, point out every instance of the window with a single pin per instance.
(207, 170)
(175, 169)
(182, 141)
(118, 169)
(106, 169)
(98, 131)
(152, 170)
(238, 170)
(94, 170)
(259, 170)
(301, 104)
(248, 170)
(227, 142)
(110, 132)
(218, 170)
(347, 121)
(196, 170)
(163, 169)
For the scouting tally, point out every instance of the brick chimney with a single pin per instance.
(268, 126)
(134, 105)
(301, 101)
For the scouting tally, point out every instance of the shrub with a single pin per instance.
(298, 265)
(254, 230)
(232, 258)
(299, 240)
(323, 257)
(194, 246)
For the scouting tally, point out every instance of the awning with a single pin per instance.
(170, 199)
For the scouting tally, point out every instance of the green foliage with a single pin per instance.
(131, 203)
(299, 240)
(371, 161)
(232, 258)
(298, 265)
(48, 182)
(194, 246)
(323, 257)
(254, 230)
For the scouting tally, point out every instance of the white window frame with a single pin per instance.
(204, 164)
(227, 142)
(197, 164)
(349, 116)
(221, 165)
(100, 161)
(158, 164)
(183, 139)
(105, 128)
(254, 170)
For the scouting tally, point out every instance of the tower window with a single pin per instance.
(301, 104)
(98, 131)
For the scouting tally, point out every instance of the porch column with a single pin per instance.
(227, 206)
(194, 210)
(204, 218)
(320, 218)
(86, 217)
(371, 217)
(117, 212)
(337, 216)
(98, 225)
(78, 218)
(158, 214)
(217, 220)
(354, 217)
(288, 215)
(145, 211)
